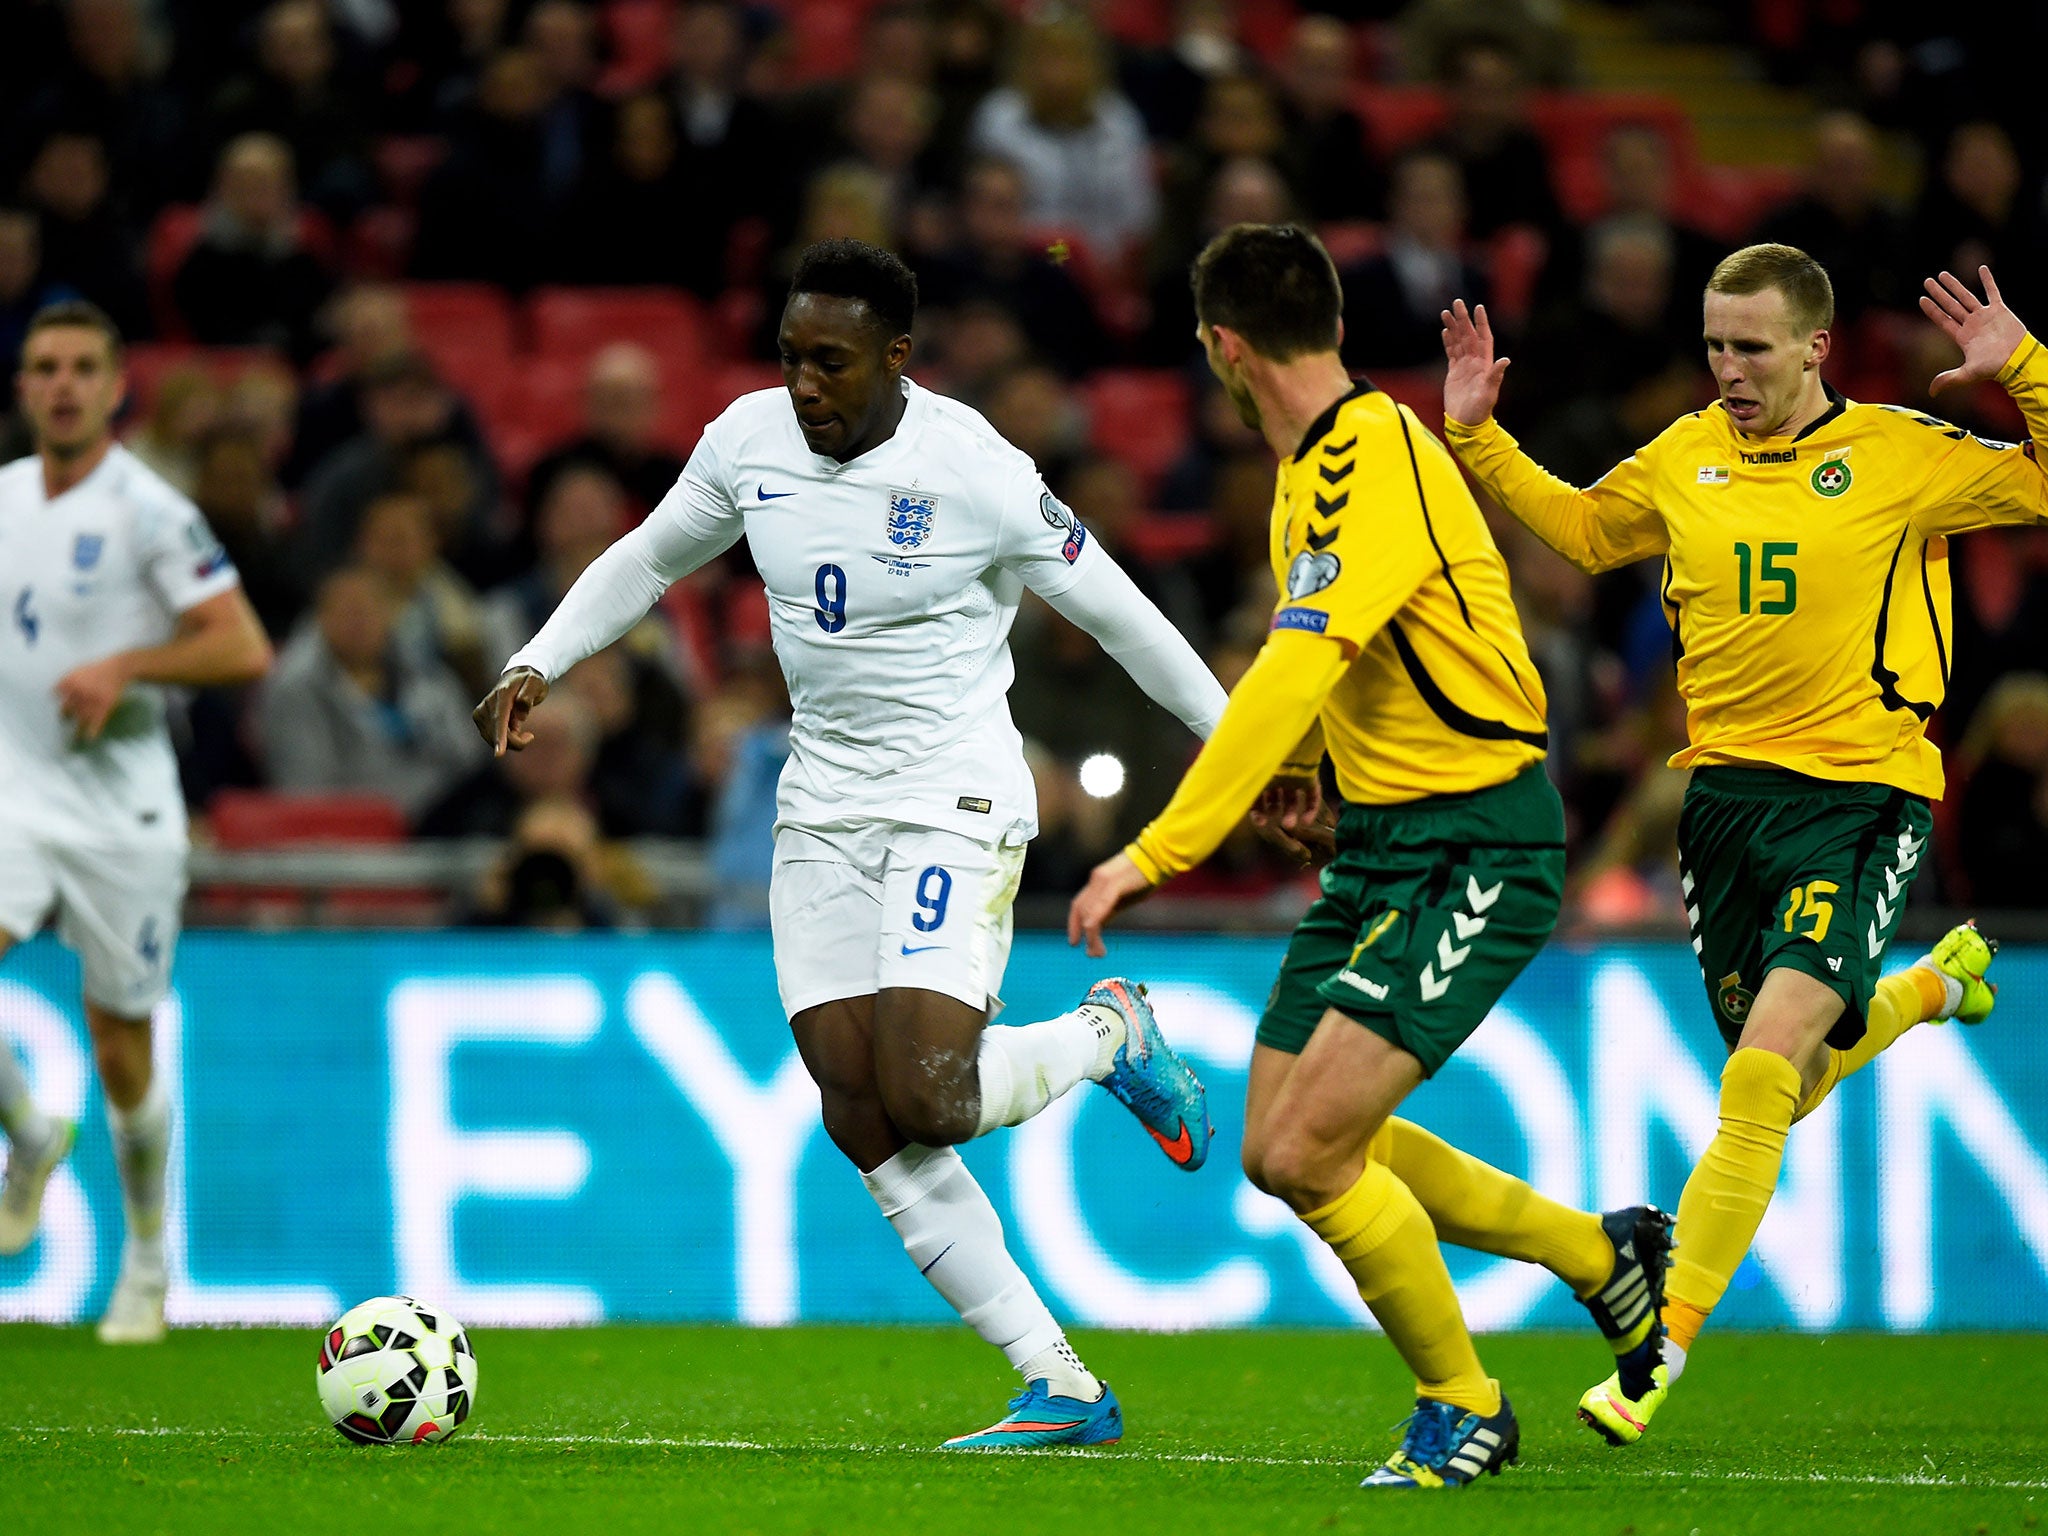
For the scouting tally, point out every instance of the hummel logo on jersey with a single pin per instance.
(1834, 962)
(1376, 990)
(765, 494)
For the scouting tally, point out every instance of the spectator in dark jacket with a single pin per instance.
(488, 212)
(2003, 825)
(997, 261)
(1507, 174)
(250, 281)
(87, 245)
(1393, 302)
(297, 92)
(1844, 222)
(639, 218)
(1329, 160)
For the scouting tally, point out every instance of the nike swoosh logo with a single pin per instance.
(942, 1253)
(921, 948)
(1180, 1149)
(765, 494)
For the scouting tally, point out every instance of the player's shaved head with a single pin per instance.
(844, 339)
(1809, 296)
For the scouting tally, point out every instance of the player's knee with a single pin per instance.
(934, 1107)
(1301, 1170)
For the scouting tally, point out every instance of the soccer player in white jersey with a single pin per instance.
(895, 532)
(114, 588)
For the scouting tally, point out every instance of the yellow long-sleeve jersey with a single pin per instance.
(1395, 644)
(1806, 577)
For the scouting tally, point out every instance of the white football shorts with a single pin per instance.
(117, 905)
(857, 909)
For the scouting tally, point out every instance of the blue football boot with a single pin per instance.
(1447, 1447)
(1151, 1080)
(1037, 1418)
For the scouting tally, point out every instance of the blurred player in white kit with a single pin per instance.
(113, 588)
(895, 533)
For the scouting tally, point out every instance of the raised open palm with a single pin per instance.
(1472, 381)
(1986, 330)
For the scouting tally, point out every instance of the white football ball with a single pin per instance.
(394, 1371)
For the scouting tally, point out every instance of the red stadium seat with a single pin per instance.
(379, 245)
(1166, 538)
(639, 34)
(148, 363)
(405, 161)
(825, 37)
(1140, 416)
(469, 317)
(577, 322)
(1396, 116)
(255, 818)
(1514, 260)
(1352, 241)
(171, 239)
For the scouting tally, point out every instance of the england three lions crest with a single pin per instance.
(910, 518)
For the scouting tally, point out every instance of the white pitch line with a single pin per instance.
(1202, 1458)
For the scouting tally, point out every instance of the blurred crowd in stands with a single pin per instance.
(429, 301)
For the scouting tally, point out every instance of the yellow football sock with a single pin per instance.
(1475, 1205)
(1726, 1196)
(1903, 999)
(1386, 1242)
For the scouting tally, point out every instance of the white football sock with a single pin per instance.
(1674, 1360)
(26, 1126)
(1024, 1067)
(1062, 1372)
(955, 1239)
(142, 1137)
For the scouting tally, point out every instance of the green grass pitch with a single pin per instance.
(622, 1430)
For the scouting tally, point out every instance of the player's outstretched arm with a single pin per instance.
(1972, 482)
(1610, 524)
(1472, 374)
(1985, 330)
(693, 525)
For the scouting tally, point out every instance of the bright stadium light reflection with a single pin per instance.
(1102, 776)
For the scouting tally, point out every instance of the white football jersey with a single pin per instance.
(892, 584)
(106, 567)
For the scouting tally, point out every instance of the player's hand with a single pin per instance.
(1987, 331)
(86, 695)
(1290, 815)
(1472, 380)
(1114, 884)
(501, 718)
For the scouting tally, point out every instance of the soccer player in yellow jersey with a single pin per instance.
(1394, 648)
(1804, 539)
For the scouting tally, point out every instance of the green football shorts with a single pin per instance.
(1429, 909)
(1782, 869)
